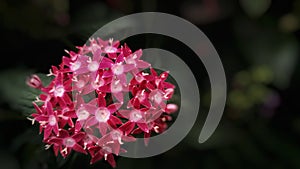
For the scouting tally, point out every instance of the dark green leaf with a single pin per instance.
(255, 8)
(16, 93)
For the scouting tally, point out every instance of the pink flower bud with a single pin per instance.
(171, 108)
(34, 81)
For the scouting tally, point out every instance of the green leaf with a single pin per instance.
(255, 8)
(274, 53)
(7, 160)
(16, 93)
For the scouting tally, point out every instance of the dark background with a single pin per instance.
(257, 41)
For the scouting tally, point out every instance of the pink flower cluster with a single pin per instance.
(84, 108)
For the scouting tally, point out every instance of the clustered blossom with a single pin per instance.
(100, 98)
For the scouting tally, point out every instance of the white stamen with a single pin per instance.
(135, 116)
(80, 84)
(37, 99)
(64, 151)
(110, 41)
(82, 114)
(59, 91)
(116, 86)
(139, 78)
(110, 49)
(144, 74)
(131, 61)
(141, 96)
(69, 142)
(157, 97)
(116, 135)
(168, 93)
(47, 146)
(118, 69)
(93, 66)
(156, 129)
(31, 119)
(106, 151)
(52, 120)
(102, 114)
(98, 82)
(50, 73)
(134, 56)
(43, 123)
(74, 79)
(75, 66)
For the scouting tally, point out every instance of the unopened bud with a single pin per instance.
(34, 81)
(171, 108)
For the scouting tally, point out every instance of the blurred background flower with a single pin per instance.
(258, 43)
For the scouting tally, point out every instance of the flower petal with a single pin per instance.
(78, 148)
(111, 160)
(91, 122)
(114, 107)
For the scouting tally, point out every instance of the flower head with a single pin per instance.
(84, 108)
